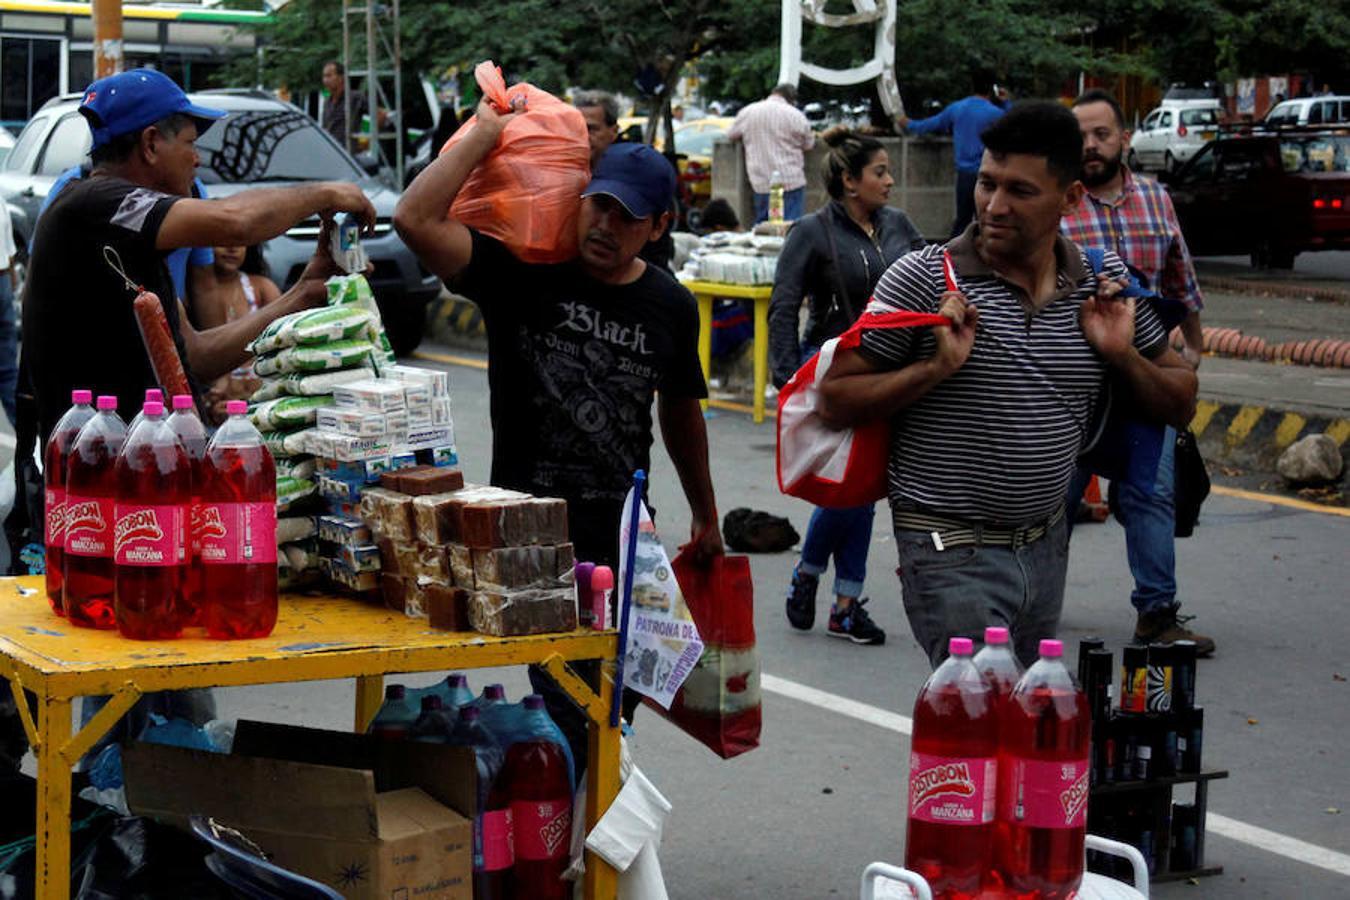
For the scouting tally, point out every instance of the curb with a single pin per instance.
(1256, 435)
(1331, 353)
(1292, 290)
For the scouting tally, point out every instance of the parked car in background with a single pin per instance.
(1310, 111)
(694, 143)
(1270, 194)
(262, 142)
(6, 143)
(1173, 133)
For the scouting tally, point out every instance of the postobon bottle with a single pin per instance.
(535, 778)
(952, 777)
(54, 476)
(91, 489)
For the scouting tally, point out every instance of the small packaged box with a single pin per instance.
(361, 558)
(337, 489)
(416, 395)
(419, 418)
(341, 573)
(445, 456)
(361, 471)
(372, 395)
(440, 412)
(348, 448)
(359, 423)
(346, 532)
(429, 438)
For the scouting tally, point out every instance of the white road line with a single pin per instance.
(1260, 838)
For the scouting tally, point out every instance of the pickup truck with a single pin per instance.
(1271, 194)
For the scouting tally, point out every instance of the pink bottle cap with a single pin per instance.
(959, 646)
(153, 408)
(602, 579)
(183, 401)
(106, 402)
(236, 407)
(82, 397)
(154, 394)
(495, 692)
(533, 701)
(995, 635)
(1052, 649)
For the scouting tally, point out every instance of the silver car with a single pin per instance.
(262, 142)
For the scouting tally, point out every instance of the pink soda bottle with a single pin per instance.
(953, 765)
(1043, 775)
(185, 423)
(91, 490)
(239, 531)
(152, 395)
(54, 476)
(997, 662)
(535, 777)
(154, 493)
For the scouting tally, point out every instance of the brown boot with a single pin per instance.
(1165, 626)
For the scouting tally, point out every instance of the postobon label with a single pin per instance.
(952, 790)
(148, 535)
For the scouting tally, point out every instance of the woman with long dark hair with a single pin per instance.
(833, 258)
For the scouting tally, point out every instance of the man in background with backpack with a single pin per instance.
(988, 415)
(1132, 216)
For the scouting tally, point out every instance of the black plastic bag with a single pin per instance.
(1192, 483)
(752, 531)
(141, 859)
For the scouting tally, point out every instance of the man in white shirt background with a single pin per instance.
(776, 136)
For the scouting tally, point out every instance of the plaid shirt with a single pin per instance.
(1141, 227)
(775, 134)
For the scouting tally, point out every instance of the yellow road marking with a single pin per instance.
(1204, 411)
(1307, 505)
(1289, 428)
(1243, 423)
(1292, 502)
(1339, 430)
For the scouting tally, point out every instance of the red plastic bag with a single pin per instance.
(719, 704)
(527, 192)
(843, 467)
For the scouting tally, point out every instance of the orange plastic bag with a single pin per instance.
(527, 192)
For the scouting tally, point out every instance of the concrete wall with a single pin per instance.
(923, 169)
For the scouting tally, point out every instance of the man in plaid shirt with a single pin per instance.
(776, 136)
(1133, 216)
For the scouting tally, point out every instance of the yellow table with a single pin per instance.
(704, 292)
(316, 638)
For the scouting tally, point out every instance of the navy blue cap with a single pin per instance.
(130, 101)
(637, 176)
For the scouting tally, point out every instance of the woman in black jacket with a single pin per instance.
(833, 258)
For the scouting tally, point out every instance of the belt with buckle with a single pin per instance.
(959, 533)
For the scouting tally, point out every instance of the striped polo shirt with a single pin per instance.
(995, 442)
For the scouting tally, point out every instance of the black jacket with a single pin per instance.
(806, 268)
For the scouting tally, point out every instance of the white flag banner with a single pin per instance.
(663, 641)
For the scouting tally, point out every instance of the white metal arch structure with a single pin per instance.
(881, 67)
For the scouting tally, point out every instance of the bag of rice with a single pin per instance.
(354, 290)
(291, 491)
(313, 326)
(297, 467)
(285, 444)
(296, 528)
(316, 358)
(311, 385)
(288, 413)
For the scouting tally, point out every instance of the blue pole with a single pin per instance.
(626, 601)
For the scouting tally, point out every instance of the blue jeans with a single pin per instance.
(843, 534)
(960, 591)
(1150, 520)
(9, 348)
(794, 204)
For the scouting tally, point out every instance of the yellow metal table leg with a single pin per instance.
(53, 800)
(761, 354)
(601, 882)
(705, 303)
(369, 696)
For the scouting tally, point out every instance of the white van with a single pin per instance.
(1310, 111)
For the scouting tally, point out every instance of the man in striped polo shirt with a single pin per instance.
(988, 415)
(776, 136)
(1133, 216)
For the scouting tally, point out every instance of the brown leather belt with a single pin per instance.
(959, 533)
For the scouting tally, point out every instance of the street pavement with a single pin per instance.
(823, 795)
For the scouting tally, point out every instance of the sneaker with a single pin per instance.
(801, 600)
(1165, 626)
(854, 623)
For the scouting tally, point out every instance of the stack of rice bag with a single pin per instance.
(301, 358)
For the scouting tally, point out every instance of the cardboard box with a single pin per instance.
(370, 818)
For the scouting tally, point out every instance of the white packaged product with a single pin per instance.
(375, 395)
(359, 423)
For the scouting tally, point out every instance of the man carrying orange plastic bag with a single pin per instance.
(577, 350)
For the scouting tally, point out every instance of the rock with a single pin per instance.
(1313, 460)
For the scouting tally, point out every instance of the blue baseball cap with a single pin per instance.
(130, 101)
(637, 176)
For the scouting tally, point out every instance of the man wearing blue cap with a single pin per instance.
(79, 329)
(578, 350)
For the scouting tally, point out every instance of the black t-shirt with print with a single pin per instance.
(574, 365)
(79, 329)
